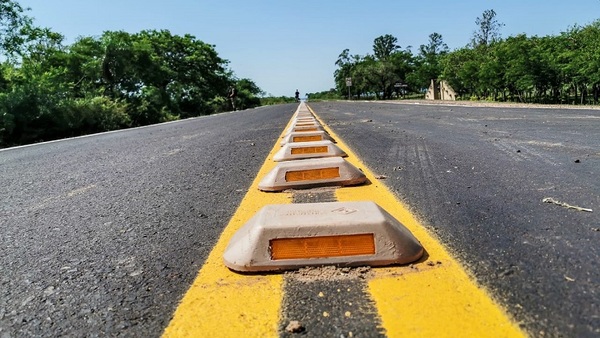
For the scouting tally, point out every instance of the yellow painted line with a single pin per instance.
(425, 300)
(221, 303)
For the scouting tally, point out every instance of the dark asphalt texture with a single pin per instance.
(476, 178)
(102, 236)
(328, 305)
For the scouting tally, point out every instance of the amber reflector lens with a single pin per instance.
(307, 138)
(312, 174)
(309, 150)
(306, 129)
(322, 247)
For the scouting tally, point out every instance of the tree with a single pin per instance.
(117, 80)
(384, 46)
(13, 31)
(163, 76)
(346, 69)
(461, 70)
(248, 93)
(428, 65)
(488, 29)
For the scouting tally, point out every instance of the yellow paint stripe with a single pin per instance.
(221, 303)
(424, 300)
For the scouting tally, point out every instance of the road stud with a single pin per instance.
(302, 174)
(304, 128)
(305, 150)
(305, 120)
(291, 236)
(306, 136)
(305, 123)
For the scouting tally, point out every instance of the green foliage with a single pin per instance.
(164, 74)
(551, 69)
(488, 29)
(49, 90)
(374, 75)
(428, 62)
(14, 25)
(248, 94)
(95, 114)
(384, 46)
(326, 95)
(272, 100)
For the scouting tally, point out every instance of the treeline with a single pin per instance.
(50, 90)
(552, 69)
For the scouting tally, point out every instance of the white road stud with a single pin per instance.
(304, 150)
(306, 122)
(304, 128)
(303, 115)
(306, 136)
(318, 172)
(305, 118)
(292, 236)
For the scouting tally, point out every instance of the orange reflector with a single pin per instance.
(301, 129)
(309, 150)
(312, 174)
(307, 138)
(322, 247)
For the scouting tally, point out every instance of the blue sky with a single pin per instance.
(284, 45)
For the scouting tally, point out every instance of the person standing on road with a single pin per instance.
(232, 96)
(297, 95)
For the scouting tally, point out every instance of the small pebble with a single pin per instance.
(294, 327)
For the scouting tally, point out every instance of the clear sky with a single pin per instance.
(283, 45)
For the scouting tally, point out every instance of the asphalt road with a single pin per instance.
(476, 177)
(101, 236)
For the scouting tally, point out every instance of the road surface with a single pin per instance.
(103, 235)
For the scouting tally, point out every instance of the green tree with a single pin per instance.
(384, 46)
(164, 76)
(488, 29)
(461, 70)
(14, 28)
(428, 61)
(387, 66)
(346, 64)
(248, 93)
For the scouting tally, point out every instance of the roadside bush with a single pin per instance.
(95, 114)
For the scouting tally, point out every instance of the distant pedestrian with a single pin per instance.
(232, 96)
(297, 95)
